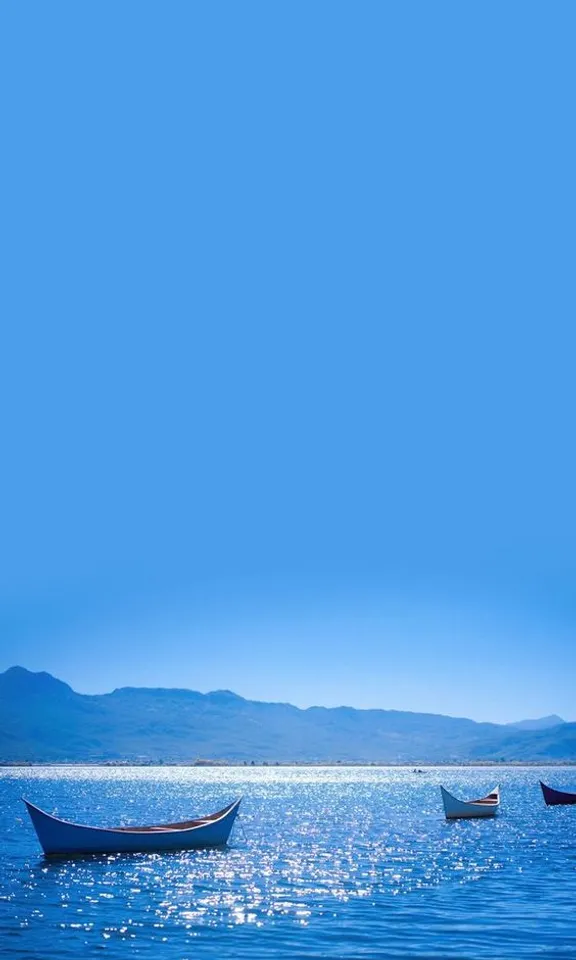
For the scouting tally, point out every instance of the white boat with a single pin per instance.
(484, 807)
(62, 837)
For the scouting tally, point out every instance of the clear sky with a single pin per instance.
(287, 368)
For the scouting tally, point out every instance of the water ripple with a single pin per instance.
(326, 862)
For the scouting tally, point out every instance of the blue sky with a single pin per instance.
(288, 345)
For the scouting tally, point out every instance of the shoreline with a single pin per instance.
(243, 765)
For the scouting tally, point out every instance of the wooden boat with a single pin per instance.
(62, 837)
(484, 807)
(554, 798)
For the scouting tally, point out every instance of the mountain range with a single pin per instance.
(43, 720)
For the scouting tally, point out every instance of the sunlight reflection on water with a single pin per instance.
(329, 861)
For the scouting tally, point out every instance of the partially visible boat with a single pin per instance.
(556, 798)
(59, 837)
(484, 807)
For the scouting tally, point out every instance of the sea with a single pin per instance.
(354, 863)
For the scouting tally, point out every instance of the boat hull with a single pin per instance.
(455, 809)
(557, 798)
(60, 837)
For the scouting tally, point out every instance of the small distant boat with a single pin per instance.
(62, 837)
(484, 807)
(554, 798)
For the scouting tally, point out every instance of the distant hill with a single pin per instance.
(42, 719)
(544, 723)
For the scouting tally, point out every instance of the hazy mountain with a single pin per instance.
(544, 723)
(43, 719)
(18, 682)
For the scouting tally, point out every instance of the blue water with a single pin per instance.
(324, 862)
